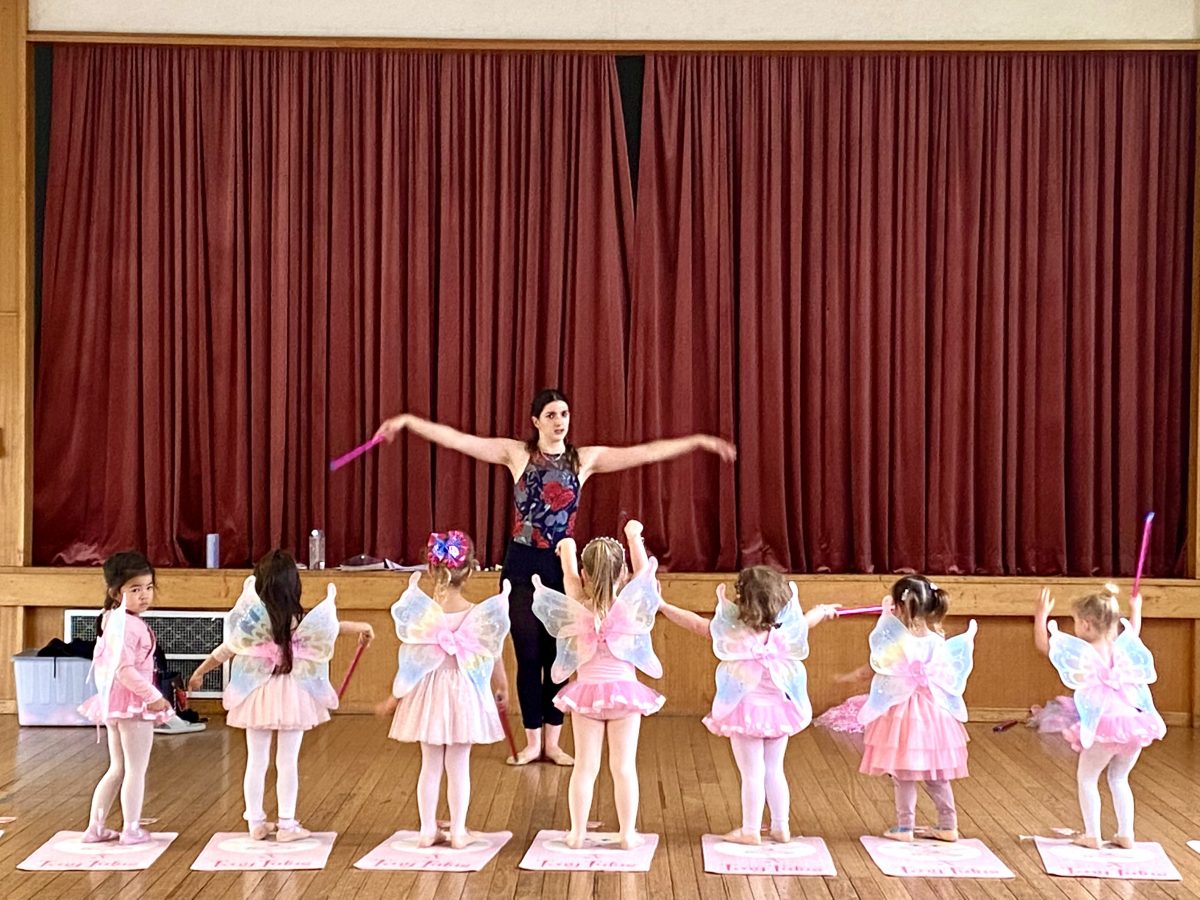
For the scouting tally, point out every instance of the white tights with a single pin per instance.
(1120, 762)
(760, 762)
(622, 762)
(455, 761)
(129, 743)
(287, 780)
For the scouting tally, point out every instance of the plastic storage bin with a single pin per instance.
(49, 688)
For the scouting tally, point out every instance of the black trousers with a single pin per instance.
(535, 648)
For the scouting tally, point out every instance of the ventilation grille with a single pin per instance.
(185, 637)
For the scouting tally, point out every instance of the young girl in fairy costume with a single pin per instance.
(450, 688)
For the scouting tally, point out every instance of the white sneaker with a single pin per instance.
(176, 725)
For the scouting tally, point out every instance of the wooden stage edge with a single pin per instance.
(76, 586)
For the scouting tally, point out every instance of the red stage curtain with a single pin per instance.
(252, 256)
(941, 302)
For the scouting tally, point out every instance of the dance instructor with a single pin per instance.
(548, 473)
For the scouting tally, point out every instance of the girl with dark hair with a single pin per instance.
(548, 473)
(279, 682)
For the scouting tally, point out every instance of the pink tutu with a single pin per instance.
(446, 708)
(279, 705)
(843, 718)
(764, 712)
(915, 740)
(609, 699)
(122, 704)
(1130, 732)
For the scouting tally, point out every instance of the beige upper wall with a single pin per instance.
(636, 20)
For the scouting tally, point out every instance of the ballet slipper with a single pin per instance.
(97, 833)
(738, 836)
(1124, 841)
(525, 757)
(296, 833)
(1086, 840)
(904, 835)
(558, 756)
(631, 841)
(260, 831)
(949, 835)
(132, 836)
(781, 835)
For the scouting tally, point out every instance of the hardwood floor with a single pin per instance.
(358, 783)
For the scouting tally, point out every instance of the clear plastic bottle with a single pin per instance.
(316, 549)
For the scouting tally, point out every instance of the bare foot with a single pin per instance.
(429, 840)
(573, 840)
(631, 841)
(461, 840)
(558, 756)
(1124, 841)
(526, 756)
(1085, 840)
(781, 835)
(738, 836)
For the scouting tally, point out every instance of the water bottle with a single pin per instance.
(212, 552)
(316, 549)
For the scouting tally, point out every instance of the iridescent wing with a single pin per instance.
(626, 628)
(948, 669)
(417, 617)
(312, 648)
(480, 639)
(1134, 665)
(1078, 666)
(569, 623)
(244, 600)
(891, 648)
(252, 640)
(735, 679)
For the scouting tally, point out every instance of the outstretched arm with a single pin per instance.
(1135, 613)
(498, 451)
(572, 583)
(1041, 618)
(638, 559)
(685, 618)
(595, 460)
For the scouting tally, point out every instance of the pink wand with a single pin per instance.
(358, 451)
(859, 611)
(350, 671)
(1137, 578)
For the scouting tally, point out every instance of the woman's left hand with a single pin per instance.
(719, 446)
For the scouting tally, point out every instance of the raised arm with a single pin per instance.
(596, 460)
(685, 618)
(567, 558)
(1041, 618)
(638, 559)
(498, 451)
(1135, 613)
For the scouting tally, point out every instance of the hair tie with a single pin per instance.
(451, 549)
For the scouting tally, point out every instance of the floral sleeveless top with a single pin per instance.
(546, 496)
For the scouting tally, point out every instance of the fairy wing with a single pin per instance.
(1079, 666)
(891, 646)
(569, 623)
(788, 646)
(251, 639)
(1134, 665)
(107, 658)
(626, 628)
(480, 638)
(947, 671)
(312, 648)
(418, 618)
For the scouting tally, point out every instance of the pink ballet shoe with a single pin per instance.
(904, 835)
(1124, 841)
(260, 831)
(287, 835)
(1084, 840)
(949, 835)
(97, 833)
(134, 836)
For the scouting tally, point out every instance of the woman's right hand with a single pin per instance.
(392, 427)
(196, 682)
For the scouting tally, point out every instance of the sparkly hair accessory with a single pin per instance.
(609, 542)
(451, 550)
